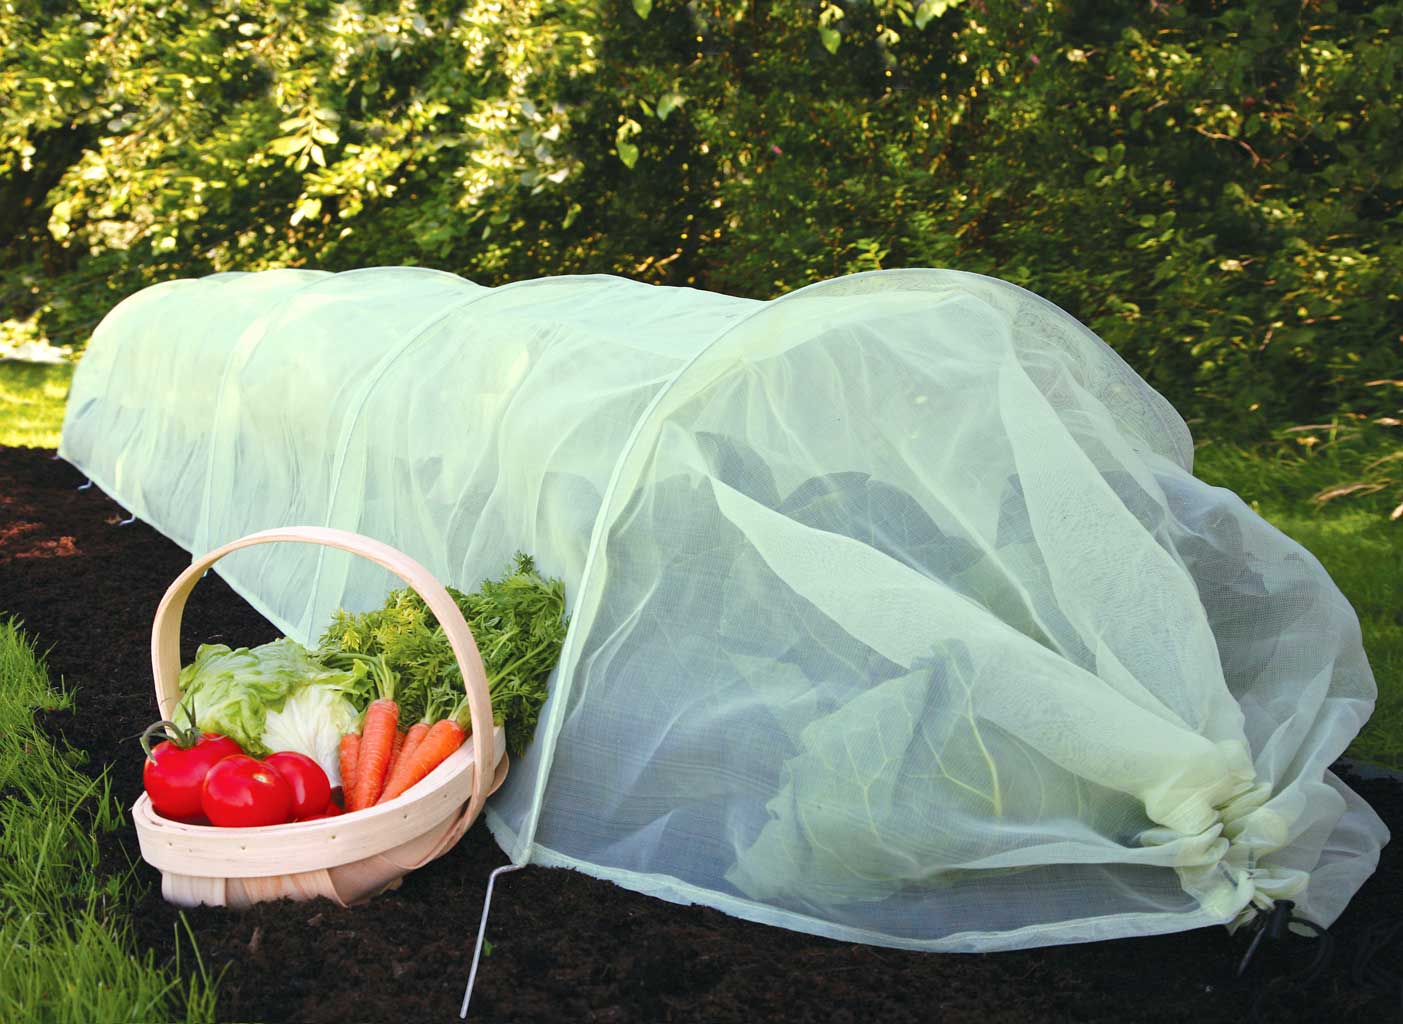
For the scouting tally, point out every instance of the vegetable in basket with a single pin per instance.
(518, 622)
(311, 789)
(244, 792)
(273, 697)
(175, 769)
(350, 754)
(379, 731)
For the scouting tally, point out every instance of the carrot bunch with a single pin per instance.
(424, 753)
(381, 762)
(519, 624)
(518, 621)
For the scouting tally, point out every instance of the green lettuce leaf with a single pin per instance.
(233, 691)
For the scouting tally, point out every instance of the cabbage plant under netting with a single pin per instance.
(897, 613)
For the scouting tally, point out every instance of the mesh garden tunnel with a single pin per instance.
(897, 613)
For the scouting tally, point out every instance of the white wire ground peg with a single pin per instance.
(482, 932)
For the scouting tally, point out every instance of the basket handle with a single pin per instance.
(165, 631)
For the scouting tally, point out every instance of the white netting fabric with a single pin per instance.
(898, 615)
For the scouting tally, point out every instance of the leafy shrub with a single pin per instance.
(1213, 186)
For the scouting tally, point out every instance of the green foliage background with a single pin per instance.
(1213, 186)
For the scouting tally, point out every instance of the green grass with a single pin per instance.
(31, 402)
(66, 956)
(1351, 535)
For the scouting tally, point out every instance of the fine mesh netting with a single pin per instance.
(898, 614)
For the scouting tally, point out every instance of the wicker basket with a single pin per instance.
(349, 858)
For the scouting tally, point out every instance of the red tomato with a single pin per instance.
(332, 810)
(175, 770)
(311, 789)
(243, 792)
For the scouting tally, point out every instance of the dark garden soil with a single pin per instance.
(565, 946)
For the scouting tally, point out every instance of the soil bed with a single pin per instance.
(566, 946)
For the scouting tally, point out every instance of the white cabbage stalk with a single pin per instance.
(312, 722)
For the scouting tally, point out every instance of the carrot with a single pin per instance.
(377, 736)
(442, 739)
(350, 751)
(440, 705)
(377, 741)
(394, 754)
(412, 739)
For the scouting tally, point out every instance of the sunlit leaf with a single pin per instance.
(627, 151)
(308, 208)
(930, 9)
(669, 102)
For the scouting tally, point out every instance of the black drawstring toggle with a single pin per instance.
(1277, 925)
(1273, 926)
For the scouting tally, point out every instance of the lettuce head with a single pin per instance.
(273, 697)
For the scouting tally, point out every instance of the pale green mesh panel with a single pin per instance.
(898, 613)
